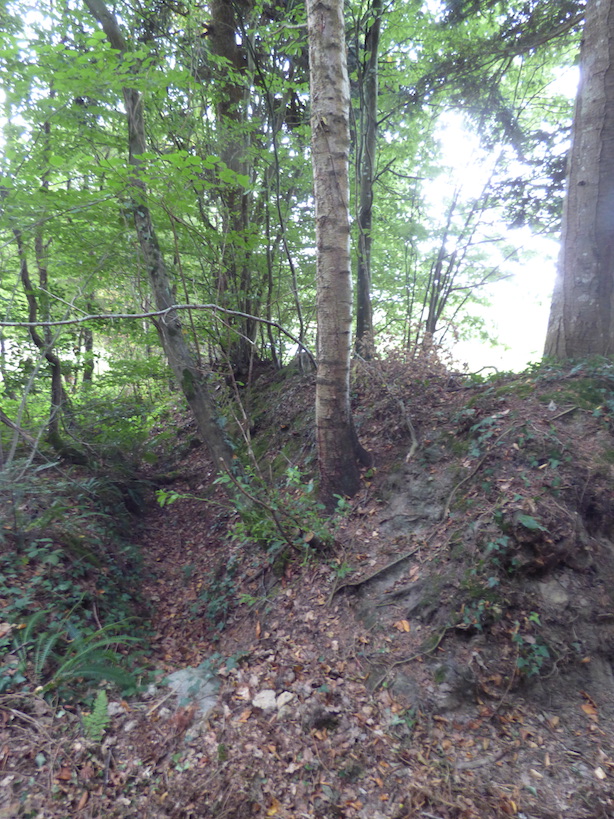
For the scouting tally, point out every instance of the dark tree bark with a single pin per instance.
(582, 312)
(368, 146)
(236, 288)
(338, 449)
(183, 364)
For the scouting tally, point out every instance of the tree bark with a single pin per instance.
(338, 448)
(45, 345)
(236, 288)
(182, 362)
(582, 312)
(368, 146)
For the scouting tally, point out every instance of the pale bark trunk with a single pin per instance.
(338, 448)
(368, 144)
(182, 362)
(582, 312)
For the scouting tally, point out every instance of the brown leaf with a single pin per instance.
(589, 709)
(402, 625)
(83, 800)
(5, 628)
(245, 715)
(64, 774)
(274, 809)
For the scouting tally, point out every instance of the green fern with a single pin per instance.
(51, 660)
(96, 723)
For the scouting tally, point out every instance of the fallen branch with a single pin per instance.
(162, 313)
(12, 425)
(356, 584)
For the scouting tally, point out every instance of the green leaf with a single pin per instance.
(530, 523)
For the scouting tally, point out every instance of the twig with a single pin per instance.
(472, 764)
(565, 412)
(415, 656)
(160, 702)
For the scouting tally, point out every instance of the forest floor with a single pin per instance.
(449, 657)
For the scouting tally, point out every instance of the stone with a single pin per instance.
(284, 698)
(553, 593)
(265, 699)
(196, 686)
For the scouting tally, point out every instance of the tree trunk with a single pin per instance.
(235, 285)
(368, 145)
(182, 362)
(338, 448)
(45, 345)
(582, 312)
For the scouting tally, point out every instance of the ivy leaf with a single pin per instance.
(530, 523)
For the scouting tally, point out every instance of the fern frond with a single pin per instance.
(96, 723)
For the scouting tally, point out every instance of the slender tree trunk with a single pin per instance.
(235, 285)
(44, 345)
(338, 448)
(582, 312)
(368, 146)
(182, 362)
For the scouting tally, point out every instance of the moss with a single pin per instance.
(187, 384)
(521, 389)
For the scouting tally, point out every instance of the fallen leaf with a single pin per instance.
(83, 800)
(245, 715)
(600, 773)
(64, 774)
(402, 625)
(274, 809)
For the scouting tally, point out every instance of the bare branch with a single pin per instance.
(153, 313)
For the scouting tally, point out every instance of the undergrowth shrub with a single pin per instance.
(283, 520)
(68, 580)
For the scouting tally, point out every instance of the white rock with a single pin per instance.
(115, 708)
(265, 699)
(284, 713)
(284, 698)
